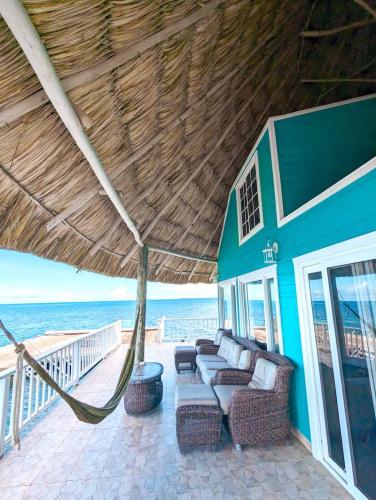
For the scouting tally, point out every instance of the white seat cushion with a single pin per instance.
(218, 365)
(218, 337)
(264, 375)
(223, 348)
(209, 357)
(194, 394)
(245, 360)
(229, 346)
(204, 364)
(234, 354)
(224, 393)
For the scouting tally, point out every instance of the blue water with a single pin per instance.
(28, 320)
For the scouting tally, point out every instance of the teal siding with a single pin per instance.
(349, 213)
(327, 145)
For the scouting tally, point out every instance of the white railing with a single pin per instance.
(354, 341)
(66, 364)
(187, 329)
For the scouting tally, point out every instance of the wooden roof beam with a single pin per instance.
(19, 22)
(338, 80)
(183, 255)
(340, 29)
(366, 7)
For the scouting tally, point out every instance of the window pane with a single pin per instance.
(256, 312)
(249, 203)
(354, 300)
(324, 355)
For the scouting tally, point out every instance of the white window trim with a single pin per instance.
(263, 274)
(221, 285)
(252, 162)
(356, 249)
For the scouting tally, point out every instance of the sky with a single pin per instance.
(25, 278)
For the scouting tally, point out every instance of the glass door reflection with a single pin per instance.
(353, 289)
(325, 368)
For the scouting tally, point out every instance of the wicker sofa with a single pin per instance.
(233, 352)
(256, 415)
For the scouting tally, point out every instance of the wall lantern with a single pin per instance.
(270, 253)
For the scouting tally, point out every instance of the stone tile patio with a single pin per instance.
(137, 457)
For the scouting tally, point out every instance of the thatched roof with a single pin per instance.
(172, 94)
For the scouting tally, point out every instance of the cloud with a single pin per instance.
(120, 293)
(190, 291)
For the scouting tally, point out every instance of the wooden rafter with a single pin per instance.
(338, 80)
(366, 6)
(340, 29)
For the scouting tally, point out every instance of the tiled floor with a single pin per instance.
(137, 457)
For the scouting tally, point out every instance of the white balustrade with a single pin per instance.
(66, 364)
(188, 329)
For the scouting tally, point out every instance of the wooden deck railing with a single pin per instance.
(66, 364)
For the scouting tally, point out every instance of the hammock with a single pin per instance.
(84, 411)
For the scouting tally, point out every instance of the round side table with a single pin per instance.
(145, 388)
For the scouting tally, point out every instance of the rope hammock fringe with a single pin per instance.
(84, 411)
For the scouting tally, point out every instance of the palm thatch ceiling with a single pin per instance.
(172, 94)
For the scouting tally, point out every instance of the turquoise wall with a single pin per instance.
(349, 213)
(327, 145)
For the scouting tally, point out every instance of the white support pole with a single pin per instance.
(19, 22)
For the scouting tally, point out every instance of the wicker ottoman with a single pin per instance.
(198, 416)
(185, 355)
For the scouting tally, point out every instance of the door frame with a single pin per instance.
(264, 274)
(233, 283)
(356, 249)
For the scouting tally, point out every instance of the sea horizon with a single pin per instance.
(99, 301)
(28, 320)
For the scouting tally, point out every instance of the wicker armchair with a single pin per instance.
(256, 416)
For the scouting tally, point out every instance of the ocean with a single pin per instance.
(29, 320)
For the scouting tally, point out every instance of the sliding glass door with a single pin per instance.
(353, 292)
(260, 308)
(340, 312)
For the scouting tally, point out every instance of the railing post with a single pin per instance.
(161, 328)
(76, 363)
(4, 397)
(118, 331)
